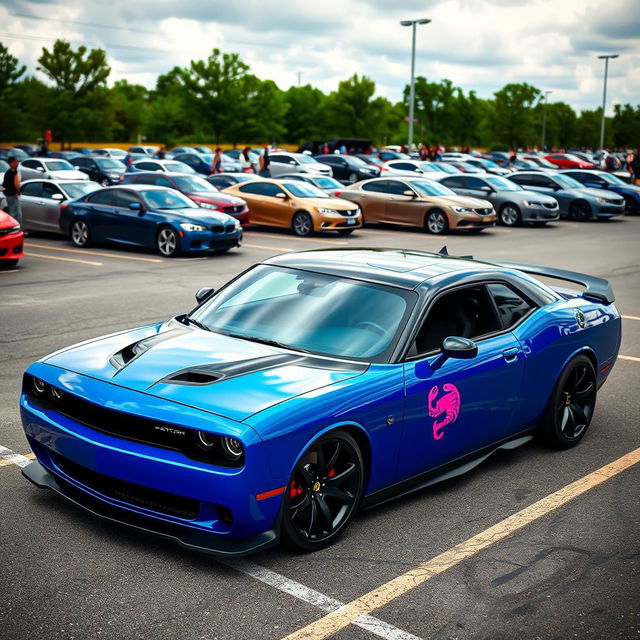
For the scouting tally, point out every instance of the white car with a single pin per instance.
(110, 152)
(51, 168)
(162, 166)
(285, 162)
(415, 168)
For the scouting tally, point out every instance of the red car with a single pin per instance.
(568, 161)
(11, 241)
(196, 188)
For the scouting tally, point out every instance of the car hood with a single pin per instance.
(216, 198)
(227, 376)
(519, 196)
(462, 201)
(595, 193)
(329, 203)
(200, 215)
(68, 174)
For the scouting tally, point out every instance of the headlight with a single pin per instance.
(238, 224)
(14, 229)
(56, 394)
(206, 205)
(38, 385)
(530, 203)
(231, 448)
(187, 226)
(205, 440)
(601, 200)
(329, 211)
(463, 209)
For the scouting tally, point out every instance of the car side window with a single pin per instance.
(511, 305)
(30, 164)
(405, 166)
(466, 312)
(261, 188)
(396, 187)
(32, 189)
(147, 166)
(108, 197)
(49, 190)
(454, 182)
(161, 181)
(277, 158)
(124, 198)
(525, 180)
(474, 183)
(379, 186)
(220, 183)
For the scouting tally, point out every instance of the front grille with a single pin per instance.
(230, 228)
(17, 249)
(128, 426)
(484, 212)
(3, 252)
(550, 205)
(134, 494)
(350, 212)
(234, 209)
(217, 228)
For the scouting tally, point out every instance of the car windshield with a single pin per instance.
(310, 312)
(611, 179)
(500, 184)
(566, 182)
(543, 162)
(431, 188)
(428, 167)
(107, 164)
(327, 183)
(118, 153)
(178, 167)
(447, 168)
(487, 164)
(303, 190)
(59, 165)
(77, 189)
(193, 184)
(304, 159)
(167, 199)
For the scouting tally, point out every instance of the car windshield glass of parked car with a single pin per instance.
(500, 184)
(430, 188)
(327, 183)
(77, 189)
(178, 167)
(566, 182)
(302, 159)
(193, 184)
(166, 199)
(309, 312)
(59, 165)
(611, 179)
(304, 190)
(109, 164)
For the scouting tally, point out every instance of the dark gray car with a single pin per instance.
(574, 199)
(512, 203)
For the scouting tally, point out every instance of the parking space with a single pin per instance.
(568, 569)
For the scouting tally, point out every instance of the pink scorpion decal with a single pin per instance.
(448, 404)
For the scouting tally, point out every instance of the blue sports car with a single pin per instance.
(605, 180)
(148, 216)
(314, 384)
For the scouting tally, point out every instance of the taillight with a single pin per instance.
(63, 206)
(384, 168)
(337, 193)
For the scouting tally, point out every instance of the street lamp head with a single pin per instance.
(613, 55)
(409, 23)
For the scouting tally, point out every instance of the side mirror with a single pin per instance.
(282, 196)
(57, 196)
(135, 206)
(40, 169)
(293, 162)
(486, 189)
(461, 348)
(204, 293)
(409, 193)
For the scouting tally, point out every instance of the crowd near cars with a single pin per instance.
(173, 203)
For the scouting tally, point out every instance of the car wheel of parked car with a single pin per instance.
(105, 182)
(167, 242)
(436, 222)
(302, 224)
(80, 233)
(573, 400)
(323, 493)
(630, 206)
(580, 211)
(353, 177)
(509, 215)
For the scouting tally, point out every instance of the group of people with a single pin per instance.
(246, 163)
(431, 152)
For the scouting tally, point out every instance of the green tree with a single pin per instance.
(10, 70)
(128, 104)
(306, 115)
(626, 126)
(12, 113)
(434, 109)
(511, 119)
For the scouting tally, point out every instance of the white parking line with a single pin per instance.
(91, 253)
(311, 596)
(631, 317)
(632, 358)
(30, 254)
(11, 457)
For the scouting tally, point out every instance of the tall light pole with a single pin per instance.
(604, 93)
(412, 24)
(544, 118)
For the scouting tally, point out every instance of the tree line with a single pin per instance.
(219, 100)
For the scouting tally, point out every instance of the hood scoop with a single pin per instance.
(120, 359)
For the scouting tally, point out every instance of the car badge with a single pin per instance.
(580, 319)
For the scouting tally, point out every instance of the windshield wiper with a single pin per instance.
(195, 323)
(267, 341)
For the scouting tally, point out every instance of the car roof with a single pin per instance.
(167, 174)
(397, 267)
(139, 187)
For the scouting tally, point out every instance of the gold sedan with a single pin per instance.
(296, 205)
(419, 202)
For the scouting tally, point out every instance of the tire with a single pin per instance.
(571, 406)
(7, 264)
(167, 242)
(436, 222)
(353, 177)
(80, 233)
(579, 211)
(345, 232)
(510, 215)
(105, 182)
(302, 224)
(630, 206)
(324, 492)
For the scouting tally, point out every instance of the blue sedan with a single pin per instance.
(313, 384)
(604, 180)
(148, 216)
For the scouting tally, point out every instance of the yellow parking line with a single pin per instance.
(9, 270)
(40, 255)
(92, 253)
(380, 597)
(632, 358)
(264, 246)
(631, 317)
(5, 463)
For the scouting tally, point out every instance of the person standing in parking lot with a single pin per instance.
(245, 161)
(635, 167)
(216, 165)
(265, 161)
(11, 186)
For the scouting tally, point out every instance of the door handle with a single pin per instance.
(511, 355)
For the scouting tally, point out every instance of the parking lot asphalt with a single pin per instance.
(571, 571)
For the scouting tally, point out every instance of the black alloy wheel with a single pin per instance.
(509, 215)
(105, 182)
(80, 233)
(580, 211)
(572, 404)
(324, 492)
(302, 224)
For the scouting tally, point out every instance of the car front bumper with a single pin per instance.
(607, 209)
(200, 241)
(12, 246)
(333, 222)
(539, 214)
(471, 220)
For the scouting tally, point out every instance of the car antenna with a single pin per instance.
(443, 251)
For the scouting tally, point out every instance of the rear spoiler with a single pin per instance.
(598, 288)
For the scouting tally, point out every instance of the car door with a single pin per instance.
(455, 407)
(31, 169)
(31, 200)
(264, 206)
(282, 164)
(102, 212)
(48, 210)
(373, 200)
(399, 207)
(133, 226)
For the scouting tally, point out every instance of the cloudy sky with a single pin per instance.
(477, 44)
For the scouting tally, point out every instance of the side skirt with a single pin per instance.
(444, 472)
